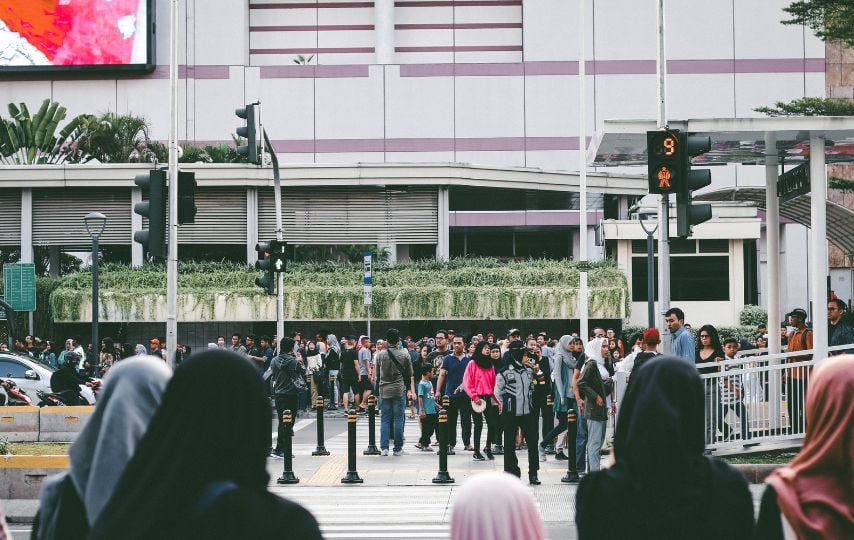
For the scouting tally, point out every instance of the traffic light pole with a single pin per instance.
(280, 236)
(582, 174)
(172, 199)
(664, 210)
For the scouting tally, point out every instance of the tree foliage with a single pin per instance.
(27, 139)
(831, 20)
(810, 106)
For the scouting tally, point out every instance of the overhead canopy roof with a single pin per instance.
(734, 140)
(798, 209)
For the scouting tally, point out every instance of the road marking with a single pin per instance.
(302, 424)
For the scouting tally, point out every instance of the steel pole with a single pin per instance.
(650, 280)
(664, 209)
(280, 236)
(818, 244)
(772, 268)
(172, 201)
(96, 343)
(582, 171)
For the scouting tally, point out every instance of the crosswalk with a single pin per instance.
(338, 443)
(378, 512)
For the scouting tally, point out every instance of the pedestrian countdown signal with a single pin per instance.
(663, 158)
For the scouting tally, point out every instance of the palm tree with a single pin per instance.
(31, 140)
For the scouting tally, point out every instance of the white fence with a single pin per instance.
(753, 399)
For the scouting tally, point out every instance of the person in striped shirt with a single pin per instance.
(732, 394)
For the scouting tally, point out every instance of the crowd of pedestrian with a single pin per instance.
(161, 456)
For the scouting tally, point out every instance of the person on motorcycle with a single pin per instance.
(66, 382)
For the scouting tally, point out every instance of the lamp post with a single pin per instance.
(95, 224)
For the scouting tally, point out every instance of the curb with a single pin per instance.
(756, 473)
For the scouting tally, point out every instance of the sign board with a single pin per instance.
(368, 279)
(19, 282)
(792, 184)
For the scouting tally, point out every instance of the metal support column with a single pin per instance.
(772, 267)
(663, 214)
(582, 170)
(384, 31)
(172, 202)
(818, 244)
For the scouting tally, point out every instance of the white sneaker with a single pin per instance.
(400, 452)
(542, 452)
(384, 452)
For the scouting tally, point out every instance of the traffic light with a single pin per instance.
(265, 264)
(248, 132)
(186, 197)
(279, 255)
(663, 160)
(687, 213)
(154, 239)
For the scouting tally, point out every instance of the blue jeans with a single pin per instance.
(595, 439)
(392, 410)
(581, 443)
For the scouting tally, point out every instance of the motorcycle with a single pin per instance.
(14, 396)
(61, 399)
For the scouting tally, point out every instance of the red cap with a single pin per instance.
(651, 336)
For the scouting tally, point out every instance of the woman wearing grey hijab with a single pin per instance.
(72, 501)
(563, 398)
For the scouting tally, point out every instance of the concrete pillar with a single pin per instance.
(772, 275)
(251, 224)
(443, 248)
(136, 252)
(27, 225)
(403, 253)
(391, 249)
(818, 244)
(384, 31)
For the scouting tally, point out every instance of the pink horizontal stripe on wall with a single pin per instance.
(457, 3)
(312, 28)
(310, 72)
(460, 26)
(321, 50)
(324, 5)
(192, 72)
(461, 48)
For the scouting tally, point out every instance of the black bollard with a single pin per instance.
(333, 405)
(446, 403)
(442, 477)
(321, 448)
(352, 477)
(571, 436)
(548, 424)
(372, 424)
(288, 476)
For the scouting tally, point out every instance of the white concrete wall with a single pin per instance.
(486, 84)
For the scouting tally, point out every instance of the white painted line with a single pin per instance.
(302, 424)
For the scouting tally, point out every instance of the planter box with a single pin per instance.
(62, 424)
(19, 424)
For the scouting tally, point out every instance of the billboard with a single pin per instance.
(47, 36)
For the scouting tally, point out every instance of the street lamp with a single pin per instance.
(95, 224)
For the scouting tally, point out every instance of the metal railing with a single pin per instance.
(758, 398)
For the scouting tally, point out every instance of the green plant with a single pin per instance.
(4, 446)
(830, 19)
(117, 138)
(753, 316)
(810, 106)
(32, 140)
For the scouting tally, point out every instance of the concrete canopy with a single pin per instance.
(798, 210)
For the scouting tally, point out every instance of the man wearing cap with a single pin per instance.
(651, 339)
(796, 378)
(512, 336)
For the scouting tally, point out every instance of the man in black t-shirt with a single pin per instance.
(349, 372)
(254, 353)
(651, 339)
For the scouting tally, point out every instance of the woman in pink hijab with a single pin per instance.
(811, 498)
(509, 514)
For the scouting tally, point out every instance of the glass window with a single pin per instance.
(10, 368)
(691, 279)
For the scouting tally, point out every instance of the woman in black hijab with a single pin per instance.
(661, 483)
(200, 470)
